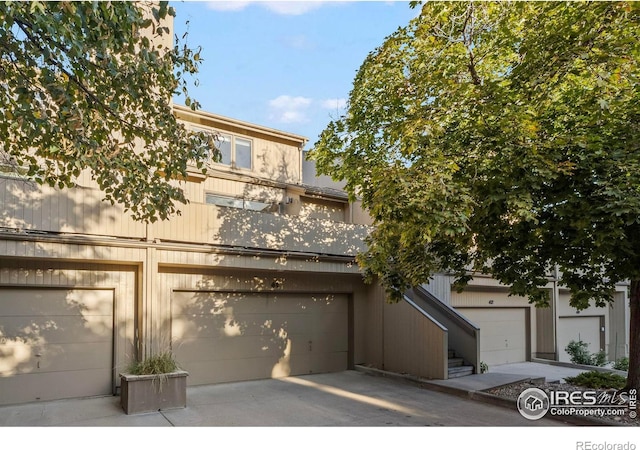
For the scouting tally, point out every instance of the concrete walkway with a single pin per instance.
(344, 399)
(509, 374)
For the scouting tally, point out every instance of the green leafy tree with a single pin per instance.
(501, 138)
(88, 85)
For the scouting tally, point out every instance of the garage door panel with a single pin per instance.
(205, 303)
(37, 386)
(259, 336)
(203, 372)
(248, 324)
(502, 333)
(324, 304)
(55, 302)
(16, 358)
(586, 329)
(226, 348)
(56, 329)
(329, 342)
(184, 327)
(331, 321)
(57, 337)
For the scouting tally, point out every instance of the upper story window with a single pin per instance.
(242, 203)
(236, 152)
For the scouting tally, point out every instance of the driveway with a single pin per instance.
(344, 399)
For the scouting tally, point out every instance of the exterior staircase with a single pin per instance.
(457, 367)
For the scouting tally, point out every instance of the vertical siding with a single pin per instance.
(27, 206)
(413, 344)
(440, 287)
(313, 208)
(373, 322)
(209, 224)
(545, 333)
(618, 337)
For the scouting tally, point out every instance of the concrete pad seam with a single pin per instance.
(166, 418)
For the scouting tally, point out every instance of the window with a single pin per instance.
(241, 203)
(236, 152)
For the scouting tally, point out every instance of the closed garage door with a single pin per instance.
(219, 337)
(502, 333)
(586, 329)
(55, 343)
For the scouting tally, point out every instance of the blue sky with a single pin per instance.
(285, 65)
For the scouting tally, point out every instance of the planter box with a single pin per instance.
(147, 393)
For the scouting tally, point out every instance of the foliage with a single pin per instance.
(597, 380)
(622, 364)
(599, 359)
(500, 138)
(159, 364)
(87, 85)
(581, 355)
(578, 352)
(484, 367)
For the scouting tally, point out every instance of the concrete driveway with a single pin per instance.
(344, 399)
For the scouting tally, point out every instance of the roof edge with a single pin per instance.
(187, 113)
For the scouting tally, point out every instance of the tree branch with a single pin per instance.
(23, 26)
(468, 43)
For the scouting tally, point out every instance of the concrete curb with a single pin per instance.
(578, 366)
(483, 396)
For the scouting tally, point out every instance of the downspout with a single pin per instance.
(300, 161)
(554, 306)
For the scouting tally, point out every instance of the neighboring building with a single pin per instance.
(255, 279)
(513, 330)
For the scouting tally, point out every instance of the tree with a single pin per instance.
(88, 85)
(501, 138)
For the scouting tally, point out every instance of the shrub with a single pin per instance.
(599, 359)
(622, 364)
(578, 352)
(598, 380)
(580, 355)
(484, 367)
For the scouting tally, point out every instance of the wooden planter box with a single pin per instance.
(147, 393)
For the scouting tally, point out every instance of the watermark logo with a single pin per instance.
(533, 403)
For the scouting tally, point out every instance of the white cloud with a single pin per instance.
(286, 8)
(334, 103)
(227, 5)
(292, 8)
(288, 109)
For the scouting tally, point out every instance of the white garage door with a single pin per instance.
(502, 333)
(55, 343)
(586, 329)
(219, 337)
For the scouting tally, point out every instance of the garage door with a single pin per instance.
(55, 343)
(502, 333)
(220, 337)
(586, 329)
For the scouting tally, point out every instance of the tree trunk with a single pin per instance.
(633, 377)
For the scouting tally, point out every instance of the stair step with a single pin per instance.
(462, 371)
(456, 362)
